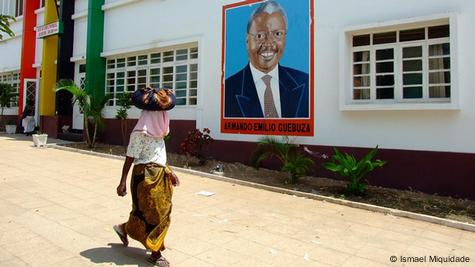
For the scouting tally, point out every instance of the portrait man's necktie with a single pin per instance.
(269, 107)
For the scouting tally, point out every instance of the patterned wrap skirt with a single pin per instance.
(152, 192)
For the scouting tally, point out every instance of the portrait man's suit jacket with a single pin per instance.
(241, 100)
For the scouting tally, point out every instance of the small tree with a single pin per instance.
(294, 163)
(124, 102)
(193, 145)
(347, 165)
(91, 106)
(5, 25)
(7, 93)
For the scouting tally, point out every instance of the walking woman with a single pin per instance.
(151, 186)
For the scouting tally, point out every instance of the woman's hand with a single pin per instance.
(122, 189)
(174, 179)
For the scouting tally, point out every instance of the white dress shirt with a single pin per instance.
(261, 86)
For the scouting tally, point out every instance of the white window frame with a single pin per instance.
(346, 101)
(12, 8)
(19, 7)
(372, 66)
(148, 66)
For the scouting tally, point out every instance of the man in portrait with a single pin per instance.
(264, 88)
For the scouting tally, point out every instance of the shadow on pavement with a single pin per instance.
(117, 254)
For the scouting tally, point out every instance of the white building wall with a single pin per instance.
(437, 130)
(80, 29)
(80, 38)
(133, 26)
(80, 6)
(10, 54)
(157, 28)
(10, 47)
(40, 20)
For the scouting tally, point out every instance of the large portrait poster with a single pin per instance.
(267, 68)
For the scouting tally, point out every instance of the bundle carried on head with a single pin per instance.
(154, 99)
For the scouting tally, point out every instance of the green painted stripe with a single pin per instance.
(95, 64)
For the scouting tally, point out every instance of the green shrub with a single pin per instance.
(294, 163)
(194, 145)
(347, 165)
(11, 122)
(7, 95)
(124, 102)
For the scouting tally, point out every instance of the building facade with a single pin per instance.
(397, 74)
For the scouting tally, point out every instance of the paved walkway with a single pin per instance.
(57, 209)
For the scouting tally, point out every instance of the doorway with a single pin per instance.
(80, 80)
(30, 89)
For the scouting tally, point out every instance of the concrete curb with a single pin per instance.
(369, 207)
(71, 149)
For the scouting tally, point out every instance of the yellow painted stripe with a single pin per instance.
(48, 65)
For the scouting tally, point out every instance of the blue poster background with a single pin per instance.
(296, 54)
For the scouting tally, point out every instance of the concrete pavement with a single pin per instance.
(57, 208)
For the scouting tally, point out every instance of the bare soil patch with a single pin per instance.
(444, 207)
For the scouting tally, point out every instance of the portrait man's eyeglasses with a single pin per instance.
(261, 36)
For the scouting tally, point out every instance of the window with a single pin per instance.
(19, 8)
(402, 65)
(169, 68)
(12, 8)
(12, 78)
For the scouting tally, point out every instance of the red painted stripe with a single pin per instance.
(247, 2)
(28, 47)
(312, 69)
(223, 36)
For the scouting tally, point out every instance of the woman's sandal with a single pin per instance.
(119, 229)
(160, 261)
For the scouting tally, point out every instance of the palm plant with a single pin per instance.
(348, 166)
(124, 102)
(91, 107)
(5, 25)
(295, 164)
(7, 93)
